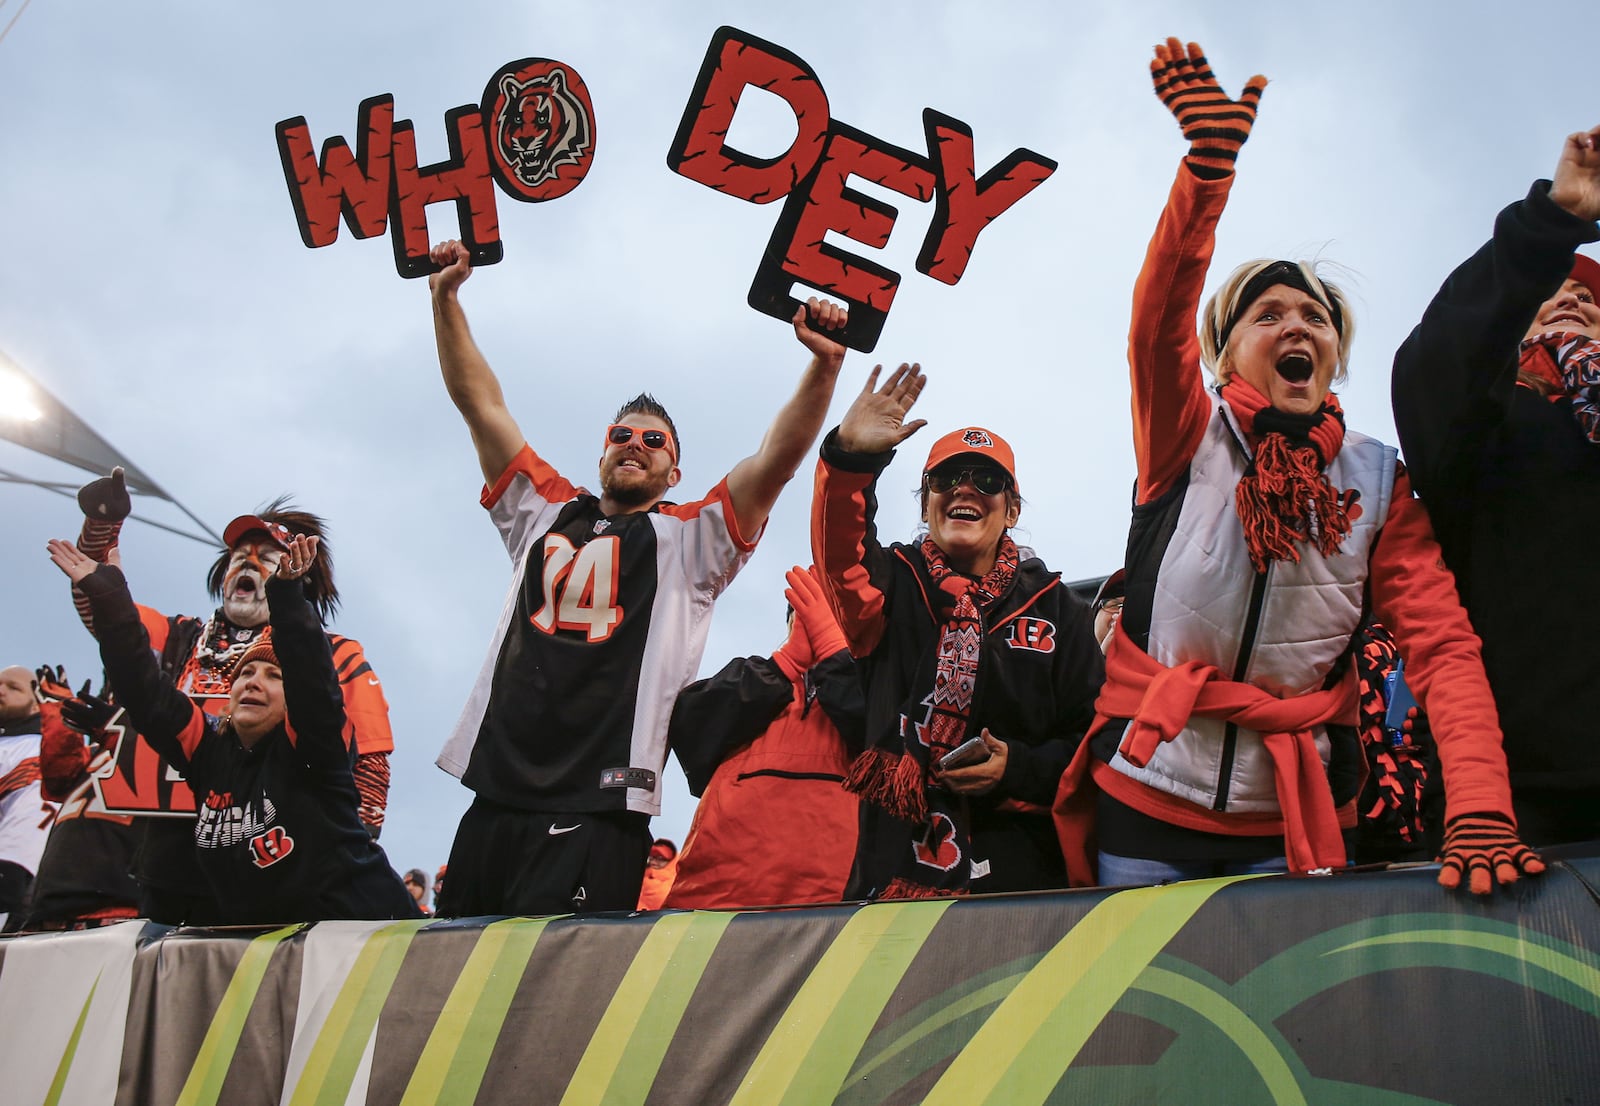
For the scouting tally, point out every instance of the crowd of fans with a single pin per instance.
(1313, 656)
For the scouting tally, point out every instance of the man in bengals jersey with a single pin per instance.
(563, 738)
(200, 655)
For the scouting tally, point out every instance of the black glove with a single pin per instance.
(106, 499)
(51, 683)
(88, 714)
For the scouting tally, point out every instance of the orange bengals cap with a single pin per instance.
(977, 442)
(249, 524)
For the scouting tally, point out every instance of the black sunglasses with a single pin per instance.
(985, 480)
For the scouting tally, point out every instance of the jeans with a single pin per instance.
(1130, 871)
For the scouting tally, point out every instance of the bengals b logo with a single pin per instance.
(938, 848)
(1038, 634)
(266, 849)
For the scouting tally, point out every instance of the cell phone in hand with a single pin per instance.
(969, 752)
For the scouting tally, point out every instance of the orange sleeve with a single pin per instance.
(844, 547)
(366, 710)
(549, 483)
(1170, 403)
(1414, 595)
(156, 625)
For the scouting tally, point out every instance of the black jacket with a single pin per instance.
(1039, 674)
(1513, 488)
(278, 834)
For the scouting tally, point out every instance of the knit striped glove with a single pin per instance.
(1214, 125)
(1487, 849)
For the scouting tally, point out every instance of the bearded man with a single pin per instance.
(564, 736)
(200, 654)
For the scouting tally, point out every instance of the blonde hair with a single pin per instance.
(1225, 306)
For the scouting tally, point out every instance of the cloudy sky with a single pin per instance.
(155, 280)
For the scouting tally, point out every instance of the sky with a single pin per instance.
(156, 283)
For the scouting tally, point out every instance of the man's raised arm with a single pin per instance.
(472, 385)
(755, 482)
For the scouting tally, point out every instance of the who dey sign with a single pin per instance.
(532, 137)
(812, 178)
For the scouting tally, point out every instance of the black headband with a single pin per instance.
(1279, 272)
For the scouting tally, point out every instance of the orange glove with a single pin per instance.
(814, 633)
(810, 604)
(1487, 848)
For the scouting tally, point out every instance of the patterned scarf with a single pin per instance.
(1284, 497)
(1570, 362)
(935, 719)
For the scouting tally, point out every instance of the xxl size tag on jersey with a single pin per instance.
(811, 176)
(532, 134)
(628, 777)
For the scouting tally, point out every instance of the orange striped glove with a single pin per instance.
(1487, 849)
(1214, 125)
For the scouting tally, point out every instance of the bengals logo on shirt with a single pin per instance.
(266, 849)
(1038, 634)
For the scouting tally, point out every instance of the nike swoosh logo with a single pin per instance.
(372, 681)
(556, 830)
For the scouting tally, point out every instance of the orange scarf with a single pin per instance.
(1285, 498)
(1160, 701)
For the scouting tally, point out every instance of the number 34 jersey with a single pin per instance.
(604, 624)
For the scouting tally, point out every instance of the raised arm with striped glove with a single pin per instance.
(1214, 125)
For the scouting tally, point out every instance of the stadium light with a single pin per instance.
(36, 420)
(17, 400)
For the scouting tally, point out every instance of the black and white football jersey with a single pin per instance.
(604, 624)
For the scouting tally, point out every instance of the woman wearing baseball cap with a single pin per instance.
(1262, 530)
(980, 667)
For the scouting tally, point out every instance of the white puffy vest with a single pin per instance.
(1202, 611)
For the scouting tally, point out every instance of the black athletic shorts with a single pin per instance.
(510, 861)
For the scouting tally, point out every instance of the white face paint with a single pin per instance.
(244, 583)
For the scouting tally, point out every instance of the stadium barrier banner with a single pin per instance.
(1372, 987)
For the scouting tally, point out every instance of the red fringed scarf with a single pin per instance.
(893, 774)
(1285, 497)
(1570, 363)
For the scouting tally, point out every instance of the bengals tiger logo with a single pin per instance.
(543, 123)
(977, 439)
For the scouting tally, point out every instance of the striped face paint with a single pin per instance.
(244, 584)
